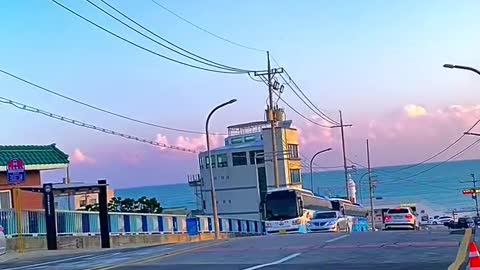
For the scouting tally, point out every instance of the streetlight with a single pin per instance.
(212, 184)
(462, 67)
(311, 162)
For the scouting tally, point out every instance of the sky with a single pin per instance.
(380, 62)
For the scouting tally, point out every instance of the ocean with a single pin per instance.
(437, 185)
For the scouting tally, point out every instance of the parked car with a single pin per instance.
(328, 221)
(462, 223)
(401, 218)
(441, 220)
(3, 241)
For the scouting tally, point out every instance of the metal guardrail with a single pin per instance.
(88, 223)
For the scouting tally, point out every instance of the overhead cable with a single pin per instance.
(206, 31)
(100, 109)
(141, 47)
(203, 60)
(439, 153)
(90, 126)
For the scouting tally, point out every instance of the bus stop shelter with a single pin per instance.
(52, 190)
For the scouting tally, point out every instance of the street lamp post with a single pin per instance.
(311, 163)
(462, 67)
(212, 184)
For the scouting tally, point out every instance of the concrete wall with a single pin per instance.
(236, 186)
(284, 137)
(74, 242)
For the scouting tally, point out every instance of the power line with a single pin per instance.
(206, 31)
(90, 126)
(205, 61)
(428, 169)
(100, 109)
(143, 48)
(304, 102)
(293, 109)
(439, 153)
(443, 162)
(319, 112)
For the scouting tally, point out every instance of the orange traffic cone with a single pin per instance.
(474, 256)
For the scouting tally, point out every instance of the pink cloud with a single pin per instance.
(196, 143)
(404, 136)
(78, 157)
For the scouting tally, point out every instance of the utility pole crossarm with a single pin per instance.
(472, 133)
(272, 71)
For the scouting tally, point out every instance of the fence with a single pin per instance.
(88, 223)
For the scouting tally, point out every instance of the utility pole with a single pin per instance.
(345, 168)
(476, 197)
(474, 192)
(271, 114)
(372, 211)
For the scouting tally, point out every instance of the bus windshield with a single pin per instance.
(281, 206)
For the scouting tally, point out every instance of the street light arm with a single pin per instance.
(462, 67)
(311, 163)
(318, 153)
(215, 109)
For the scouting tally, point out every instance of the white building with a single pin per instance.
(235, 172)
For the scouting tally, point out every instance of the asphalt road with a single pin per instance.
(369, 250)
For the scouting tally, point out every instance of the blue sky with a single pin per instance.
(368, 58)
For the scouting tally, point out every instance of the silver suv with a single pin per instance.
(401, 218)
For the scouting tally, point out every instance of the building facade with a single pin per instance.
(79, 201)
(37, 158)
(243, 168)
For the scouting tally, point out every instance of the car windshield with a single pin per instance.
(398, 211)
(324, 215)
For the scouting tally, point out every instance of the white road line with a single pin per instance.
(337, 238)
(47, 263)
(273, 263)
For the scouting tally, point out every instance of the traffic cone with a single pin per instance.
(474, 256)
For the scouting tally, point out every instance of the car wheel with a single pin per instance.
(435, 223)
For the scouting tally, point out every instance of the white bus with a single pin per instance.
(289, 210)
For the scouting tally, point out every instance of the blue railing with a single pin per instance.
(32, 223)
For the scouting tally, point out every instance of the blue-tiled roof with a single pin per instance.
(237, 146)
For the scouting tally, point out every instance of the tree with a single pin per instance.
(129, 205)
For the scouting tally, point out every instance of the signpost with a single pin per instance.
(16, 171)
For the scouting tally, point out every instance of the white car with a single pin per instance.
(329, 221)
(441, 220)
(401, 218)
(3, 241)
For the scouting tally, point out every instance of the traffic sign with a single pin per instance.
(471, 191)
(16, 171)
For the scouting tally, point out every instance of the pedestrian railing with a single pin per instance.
(32, 223)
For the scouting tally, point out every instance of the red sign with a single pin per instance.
(16, 171)
(15, 165)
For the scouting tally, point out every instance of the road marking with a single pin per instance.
(47, 263)
(337, 238)
(273, 263)
(160, 256)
